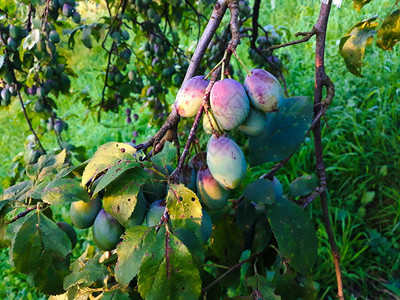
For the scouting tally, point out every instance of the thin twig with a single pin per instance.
(321, 81)
(234, 267)
(306, 38)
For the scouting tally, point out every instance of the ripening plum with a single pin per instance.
(229, 103)
(156, 187)
(190, 96)
(206, 226)
(198, 160)
(106, 231)
(226, 162)
(187, 176)
(83, 214)
(156, 211)
(138, 213)
(264, 90)
(207, 125)
(209, 191)
(255, 123)
(70, 232)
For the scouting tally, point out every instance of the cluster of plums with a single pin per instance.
(233, 105)
(66, 7)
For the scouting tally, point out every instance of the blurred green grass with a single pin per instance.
(361, 147)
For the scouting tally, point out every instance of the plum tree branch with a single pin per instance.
(173, 118)
(321, 81)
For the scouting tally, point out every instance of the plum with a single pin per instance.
(156, 187)
(264, 90)
(187, 176)
(155, 212)
(138, 213)
(198, 160)
(255, 123)
(190, 96)
(70, 232)
(83, 214)
(209, 191)
(229, 103)
(226, 162)
(106, 231)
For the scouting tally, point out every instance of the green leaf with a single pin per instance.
(184, 208)
(358, 4)
(168, 271)
(88, 273)
(262, 233)
(285, 131)
(17, 192)
(303, 185)
(64, 190)
(352, 46)
(121, 196)
(389, 32)
(106, 156)
(86, 36)
(166, 155)
(260, 283)
(115, 295)
(41, 249)
(260, 191)
(294, 233)
(130, 251)
(291, 285)
(115, 172)
(227, 241)
(367, 197)
(47, 165)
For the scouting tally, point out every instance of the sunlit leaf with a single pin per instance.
(352, 46)
(389, 32)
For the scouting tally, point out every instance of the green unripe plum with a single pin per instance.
(255, 123)
(6, 95)
(156, 188)
(206, 226)
(39, 106)
(70, 231)
(226, 162)
(151, 13)
(116, 36)
(198, 160)
(54, 37)
(190, 96)
(14, 32)
(207, 125)
(187, 176)
(229, 103)
(138, 213)
(209, 191)
(83, 214)
(118, 78)
(264, 90)
(12, 43)
(59, 69)
(8, 77)
(106, 231)
(67, 10)
(76, 17)
(156, 211)
(48, 72)
(125, 35)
